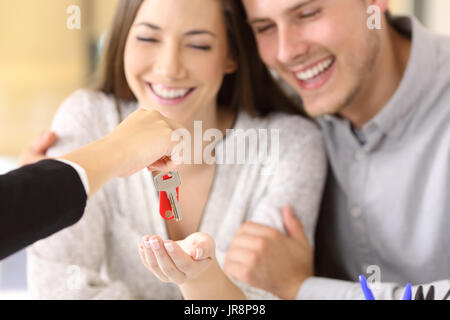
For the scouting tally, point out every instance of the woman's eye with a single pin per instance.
(147, 39)
(203, 48)
(264, 29)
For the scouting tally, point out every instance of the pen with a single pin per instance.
(408, 294)
(367, 292)
(419, 294)
(430, 294)
(447, 295)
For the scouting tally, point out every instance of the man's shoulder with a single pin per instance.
(439, 90)
(443, 56)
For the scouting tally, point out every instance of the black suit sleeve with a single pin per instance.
(37, 201)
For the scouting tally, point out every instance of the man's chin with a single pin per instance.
(331, 104)
(319, 111)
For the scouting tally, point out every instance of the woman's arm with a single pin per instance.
(68, 264)
(213, 284)
(258, 255)
(191, 264)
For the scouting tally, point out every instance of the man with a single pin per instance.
(41, 199)
(382, 99)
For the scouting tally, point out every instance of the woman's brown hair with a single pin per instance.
(251, 87)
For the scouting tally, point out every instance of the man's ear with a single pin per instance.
(231, 65)
(382, 4)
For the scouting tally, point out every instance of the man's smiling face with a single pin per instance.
(322, 48)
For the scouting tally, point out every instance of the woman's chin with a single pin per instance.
(179, 113)
(175, 116)
(164, 110)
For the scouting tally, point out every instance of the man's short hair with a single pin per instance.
(388, 16)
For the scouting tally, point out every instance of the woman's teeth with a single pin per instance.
(315, 71)
(169, 93)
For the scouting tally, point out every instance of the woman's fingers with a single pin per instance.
(199, 246)
(162, 165)
(177, 261)
(149, 260)
(142, 256)
(184, 261)
(166, 265)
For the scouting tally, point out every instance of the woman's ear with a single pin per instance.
(230, 65)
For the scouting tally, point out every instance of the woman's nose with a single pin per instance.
(169, 64)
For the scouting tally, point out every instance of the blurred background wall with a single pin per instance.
(42, 61)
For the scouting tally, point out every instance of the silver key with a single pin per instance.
(170, 187)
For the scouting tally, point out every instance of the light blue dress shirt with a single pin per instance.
(386, 208)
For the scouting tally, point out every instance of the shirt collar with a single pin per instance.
(420, 70)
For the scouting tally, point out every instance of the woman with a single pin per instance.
(191, 60)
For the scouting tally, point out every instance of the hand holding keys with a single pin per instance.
(168, 186)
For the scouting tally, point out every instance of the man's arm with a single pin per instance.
(290, 260)
(40, 199)
(36, 151)
(266, 258)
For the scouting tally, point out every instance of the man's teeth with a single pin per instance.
(169, 93)
(315, 71)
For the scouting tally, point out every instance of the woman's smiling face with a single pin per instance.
(176, 56)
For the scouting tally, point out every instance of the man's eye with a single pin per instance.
(264, 29)
(147, 39)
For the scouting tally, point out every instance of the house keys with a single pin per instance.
(168, 186)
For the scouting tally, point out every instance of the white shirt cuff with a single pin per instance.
(81, 172)
(316, 288)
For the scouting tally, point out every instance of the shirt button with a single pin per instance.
(356, 212)
(360, 155)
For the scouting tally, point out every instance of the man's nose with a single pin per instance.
(169, 64)
(291, 47)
